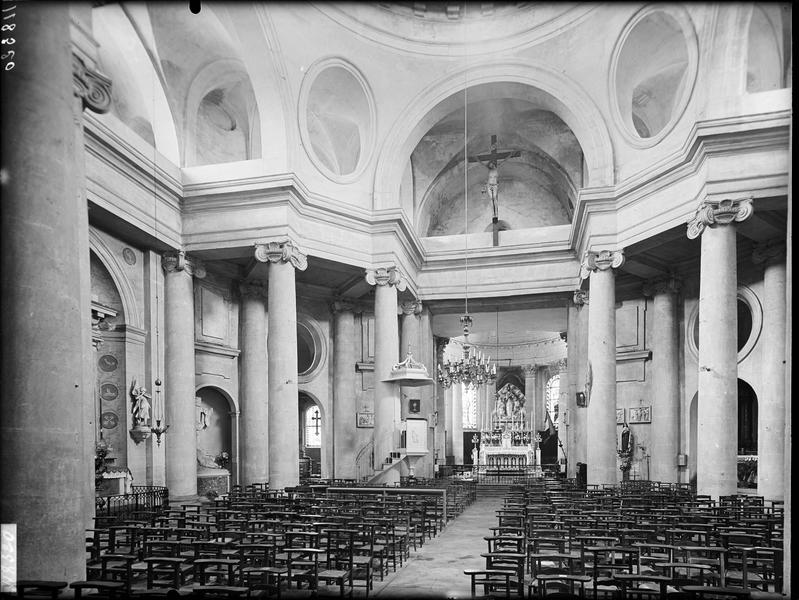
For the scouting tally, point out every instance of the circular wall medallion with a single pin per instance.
(129, 256)
(108, 391)
(109, 420)
(108, 363)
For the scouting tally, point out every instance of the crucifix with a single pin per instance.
(492, 161)
(316, 418)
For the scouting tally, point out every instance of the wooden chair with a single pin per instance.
(513, 562)
(635, 586)
(339, 559)
(761, 572)
(494, 583)
(105, 589)
(558, 586)
(39, 588)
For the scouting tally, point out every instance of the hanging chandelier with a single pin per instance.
(473, 369)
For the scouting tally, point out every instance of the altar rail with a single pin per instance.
(144, 503)
(395, 491)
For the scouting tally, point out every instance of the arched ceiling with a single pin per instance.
(537, 187)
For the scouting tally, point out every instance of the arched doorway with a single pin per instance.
(216, 454)
(311, 437)
(746, 436)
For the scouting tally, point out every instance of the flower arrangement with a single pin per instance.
(223, 459)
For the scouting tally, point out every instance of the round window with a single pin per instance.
(311, 349)
(306, 350)
(750, 320)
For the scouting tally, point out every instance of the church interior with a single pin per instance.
(403, 299)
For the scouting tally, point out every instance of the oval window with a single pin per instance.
(337, 119)
(654, 72)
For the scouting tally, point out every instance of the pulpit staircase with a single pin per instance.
(364, 460)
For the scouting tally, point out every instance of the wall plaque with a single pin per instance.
(108, 391)
(129, 256)
(107, 363)
(365, 419)
(641, 414)
(109, 420)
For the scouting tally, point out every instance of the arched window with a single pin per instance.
(313, 428)
(552, 394)
(469, 406)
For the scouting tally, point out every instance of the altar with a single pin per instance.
(509, 444)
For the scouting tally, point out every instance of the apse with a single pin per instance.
(539, 165)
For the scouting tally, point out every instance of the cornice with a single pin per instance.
(709, 138)
(226, 351)
(114, 150)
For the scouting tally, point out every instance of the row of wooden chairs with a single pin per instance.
(614, 543)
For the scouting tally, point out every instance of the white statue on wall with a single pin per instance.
(141, 404)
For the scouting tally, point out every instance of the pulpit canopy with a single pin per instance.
(409, 373)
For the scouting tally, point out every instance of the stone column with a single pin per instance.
(717, 428)
(448, 446)
(254, 384)
(387, 281)
(457, 423)
(601, 396)
(771, 409)
(410, 310)
(181, 439)
(281, 347)
(578, 349)
(424, 467)
(344, 408)
(45, 299)
(665, 380)
(563, 406)
(441, 405)
(529, 394)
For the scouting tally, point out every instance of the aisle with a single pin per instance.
(436, 569)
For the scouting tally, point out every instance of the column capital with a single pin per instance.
(664, 285)
(529, 371)
(285, 251)
(92, 87)
(340, 305)
(253, 289)
(580, 297)
(410, 307)
(718, 212)
(769, 253)
(386, 276)
(600, 260)
(173, 261)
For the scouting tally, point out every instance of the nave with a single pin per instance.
(542, 537)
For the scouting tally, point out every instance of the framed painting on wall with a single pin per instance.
(641, 414)
(363, 419)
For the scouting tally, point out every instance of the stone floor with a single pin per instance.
(435, 570)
